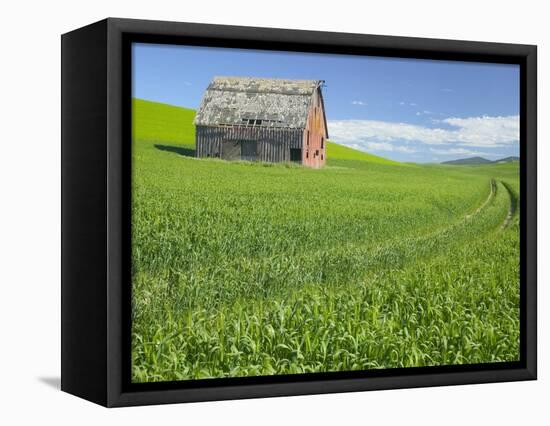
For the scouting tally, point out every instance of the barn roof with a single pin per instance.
(265, 102)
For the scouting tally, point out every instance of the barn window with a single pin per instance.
(316, 152)
(321, 156)
(307, 139)
(307, 154)
(258, 122)
(322, 142)
(251, 121)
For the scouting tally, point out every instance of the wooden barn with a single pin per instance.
(261, 119)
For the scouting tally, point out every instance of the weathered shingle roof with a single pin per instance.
(247, 100)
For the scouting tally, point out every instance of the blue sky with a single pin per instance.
(404, 109)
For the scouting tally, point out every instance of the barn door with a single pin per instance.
(296, 155)
(249, 150)
(231, 150)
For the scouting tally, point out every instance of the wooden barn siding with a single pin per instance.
(273, 143)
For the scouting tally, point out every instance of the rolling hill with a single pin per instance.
(156, 121)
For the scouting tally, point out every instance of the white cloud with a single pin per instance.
(473, 131)
(384, 146)
(361, 103)
(402, 103)
(486, 131)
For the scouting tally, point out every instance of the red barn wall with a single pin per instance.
(314, 152)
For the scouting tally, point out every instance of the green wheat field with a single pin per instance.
(248, 269)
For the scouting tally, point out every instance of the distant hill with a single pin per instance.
(507, 160)
(479, 160)
(468, 161)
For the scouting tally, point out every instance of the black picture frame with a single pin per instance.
(95, 285)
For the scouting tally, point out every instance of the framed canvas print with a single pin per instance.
(252, 212)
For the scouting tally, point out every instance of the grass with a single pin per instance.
(245, 269)
(154, 121)
(341, 152)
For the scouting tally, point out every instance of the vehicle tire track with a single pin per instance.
(491, 195)
(513, 206)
